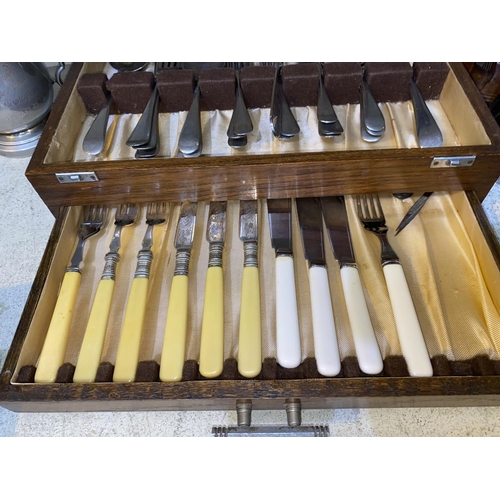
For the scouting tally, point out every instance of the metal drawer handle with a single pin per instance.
(293, 409)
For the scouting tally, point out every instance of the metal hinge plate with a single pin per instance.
(452, 161)
(68, 177)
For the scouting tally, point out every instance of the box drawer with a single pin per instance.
(453, 273)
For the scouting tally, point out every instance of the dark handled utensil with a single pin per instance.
(413, 212)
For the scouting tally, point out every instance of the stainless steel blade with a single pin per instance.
(335, 214)
(311, 228)
(280, 225)
(185, 227)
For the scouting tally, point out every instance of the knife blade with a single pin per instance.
(249, 340)
(326, 350)
(365, 342)
(174, 342)
(287, 319)
(413, 212)
(212, 327)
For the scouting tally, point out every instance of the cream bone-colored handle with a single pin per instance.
(365, 342)
(127, 356)
(93, 340)
(287, 319)
(407, 324)
(249, 340)
(212, 328)
(56, 341)
(95, 333)
(174, 341)
(326, 350)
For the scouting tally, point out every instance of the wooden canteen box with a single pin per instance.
(449, 253)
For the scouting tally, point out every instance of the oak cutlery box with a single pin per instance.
(450, 256)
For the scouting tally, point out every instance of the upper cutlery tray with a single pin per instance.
(459, 127)
(451, 272)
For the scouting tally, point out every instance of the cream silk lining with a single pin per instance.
(452, 279)
(453, 112)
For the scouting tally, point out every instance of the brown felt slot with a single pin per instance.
(257, 85)
(130, 91)
(342, 82)
(176, 90)
(93, 91)
(389, 81)
(430, 78)
(217, 88)
(300, 84)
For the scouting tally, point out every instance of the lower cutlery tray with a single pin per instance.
(450, 258)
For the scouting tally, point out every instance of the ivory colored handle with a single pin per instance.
(287, 318)
(249, 342)
(409, 331)
(365, 342)
(93, 340)
(174, 343)
(127, 357)
(54, 347)
(326, 349)
(212, 327)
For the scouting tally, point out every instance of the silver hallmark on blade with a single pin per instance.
(216, 227)
(248, 220)
(185, 227)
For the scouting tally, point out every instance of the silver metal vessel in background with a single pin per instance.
(26, 96)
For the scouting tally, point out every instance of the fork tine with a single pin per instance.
(380, 212)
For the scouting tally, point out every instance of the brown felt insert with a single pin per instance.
(148, 371)
(93, 91)
(342, 81)
(257, 85)
(105, 372)
(65, 373)
(130, 91)
(300, 84)
(430, 78)
(389, 81)
(217, 87)
(176, 88)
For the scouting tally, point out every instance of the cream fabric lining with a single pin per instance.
(458, 314)
(454, 114)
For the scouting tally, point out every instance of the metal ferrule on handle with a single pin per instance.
(182, 262)
(251, 250)
(388, 255)
(144, 260)
(215, 254)
(111, 261)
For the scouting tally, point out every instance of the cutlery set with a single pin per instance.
(314, 214)
(146, 141)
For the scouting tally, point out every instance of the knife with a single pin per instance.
(249, 340)
(413, 212)
(365, 342)
(174, 342)
(326, 349)
(212, 327)
(287, 319)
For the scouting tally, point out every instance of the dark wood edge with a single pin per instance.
(367, 389)
(490, 125)
(54, 118)
(32, 301)
(484, 224)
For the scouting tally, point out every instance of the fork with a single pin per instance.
(407, 325)
(56, 341)
(93, 340)
(130, 339)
